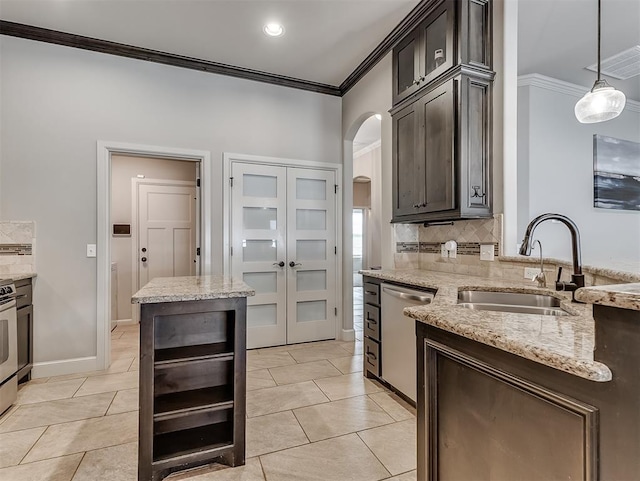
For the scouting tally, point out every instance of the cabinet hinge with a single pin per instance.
(197, 251)
(231, 181)
(197, 182)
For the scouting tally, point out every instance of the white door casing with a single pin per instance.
(292, 304)
(164, 218)
(258, 245)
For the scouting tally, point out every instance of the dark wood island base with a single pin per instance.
(192, 385)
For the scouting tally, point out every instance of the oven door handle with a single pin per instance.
(6, 302)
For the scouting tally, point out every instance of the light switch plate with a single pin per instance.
(91, 250)
(486, 252)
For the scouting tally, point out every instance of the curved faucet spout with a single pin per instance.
(525, 249)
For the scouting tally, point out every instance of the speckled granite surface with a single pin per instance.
(192, 288)
(18, 277)
(624, 296)
(600, 271)
(565, 343)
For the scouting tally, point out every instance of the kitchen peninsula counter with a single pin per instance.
(565, 343)
(622, 296)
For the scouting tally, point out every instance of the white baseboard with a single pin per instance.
(127, 322)
(348, 335)
(66, 366)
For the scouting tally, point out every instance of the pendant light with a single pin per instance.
(602, 102)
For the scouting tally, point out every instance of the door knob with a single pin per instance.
(279, 264)
(144, 249)
(144, 259)
(293, 264)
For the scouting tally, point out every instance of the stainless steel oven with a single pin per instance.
(8, 346)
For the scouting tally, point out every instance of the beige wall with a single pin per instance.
(123, 169)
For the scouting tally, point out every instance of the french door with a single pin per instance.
(283, 230)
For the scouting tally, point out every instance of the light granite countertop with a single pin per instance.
(18, 277)
(623, 296)
(565, 343)
(191, 288)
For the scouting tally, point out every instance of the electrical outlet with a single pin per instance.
(91, 250)
(443, 252)
(486, 252)
(531, 272)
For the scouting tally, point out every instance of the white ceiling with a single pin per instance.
(558, 38)
(324, 41)
(368, 133)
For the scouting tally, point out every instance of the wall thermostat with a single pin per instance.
(122, 230)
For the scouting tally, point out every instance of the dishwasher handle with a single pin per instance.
(407, 296)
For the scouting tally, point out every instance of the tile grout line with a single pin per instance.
(374, 454)
(75, 471)
(300, 424)
(33, 445)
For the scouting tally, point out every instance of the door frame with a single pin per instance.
(104, 151)
(228, 158)
(135, 254)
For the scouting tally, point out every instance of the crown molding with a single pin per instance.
(560, 86)
(40, 34)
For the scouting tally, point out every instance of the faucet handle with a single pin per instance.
(559, 274)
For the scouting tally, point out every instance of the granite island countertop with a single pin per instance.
(623, 296)
(565, 343)
(191, 288)
(18, 277)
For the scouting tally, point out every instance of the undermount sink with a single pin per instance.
(539, 304)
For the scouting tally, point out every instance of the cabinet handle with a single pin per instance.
(476, 188)
(370, 354)
(279, 264)
(372, 321)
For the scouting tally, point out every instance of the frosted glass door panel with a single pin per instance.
(262, 282)
(259, 250)
(259, 186)
(260, 218)
(257, 246)
(263, 315)
(311, 250)
(311, 219)
(311, 281)
(311, 311)
(311, 189)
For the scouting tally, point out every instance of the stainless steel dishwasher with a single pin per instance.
(399, 337)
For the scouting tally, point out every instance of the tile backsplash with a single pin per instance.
(418, 247)
(17, 247)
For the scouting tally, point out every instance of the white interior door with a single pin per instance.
(166, 230)
(258, 242)
(311, 249)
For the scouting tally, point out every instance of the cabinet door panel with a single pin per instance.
(436, 42)
(436, 149)
(406, 166)
(406, 67)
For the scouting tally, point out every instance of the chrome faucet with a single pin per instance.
(577, 278)
(540, 277)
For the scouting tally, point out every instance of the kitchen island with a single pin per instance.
(192, 373)
(504, 395)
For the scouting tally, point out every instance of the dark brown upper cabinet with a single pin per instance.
(441, 161)
(442, 115)
(453, 32)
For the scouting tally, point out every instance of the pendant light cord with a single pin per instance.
(599, 41)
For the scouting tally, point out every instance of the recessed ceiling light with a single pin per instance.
(378, 116)
(274, 30)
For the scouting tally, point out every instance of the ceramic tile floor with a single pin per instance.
(311, 415)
